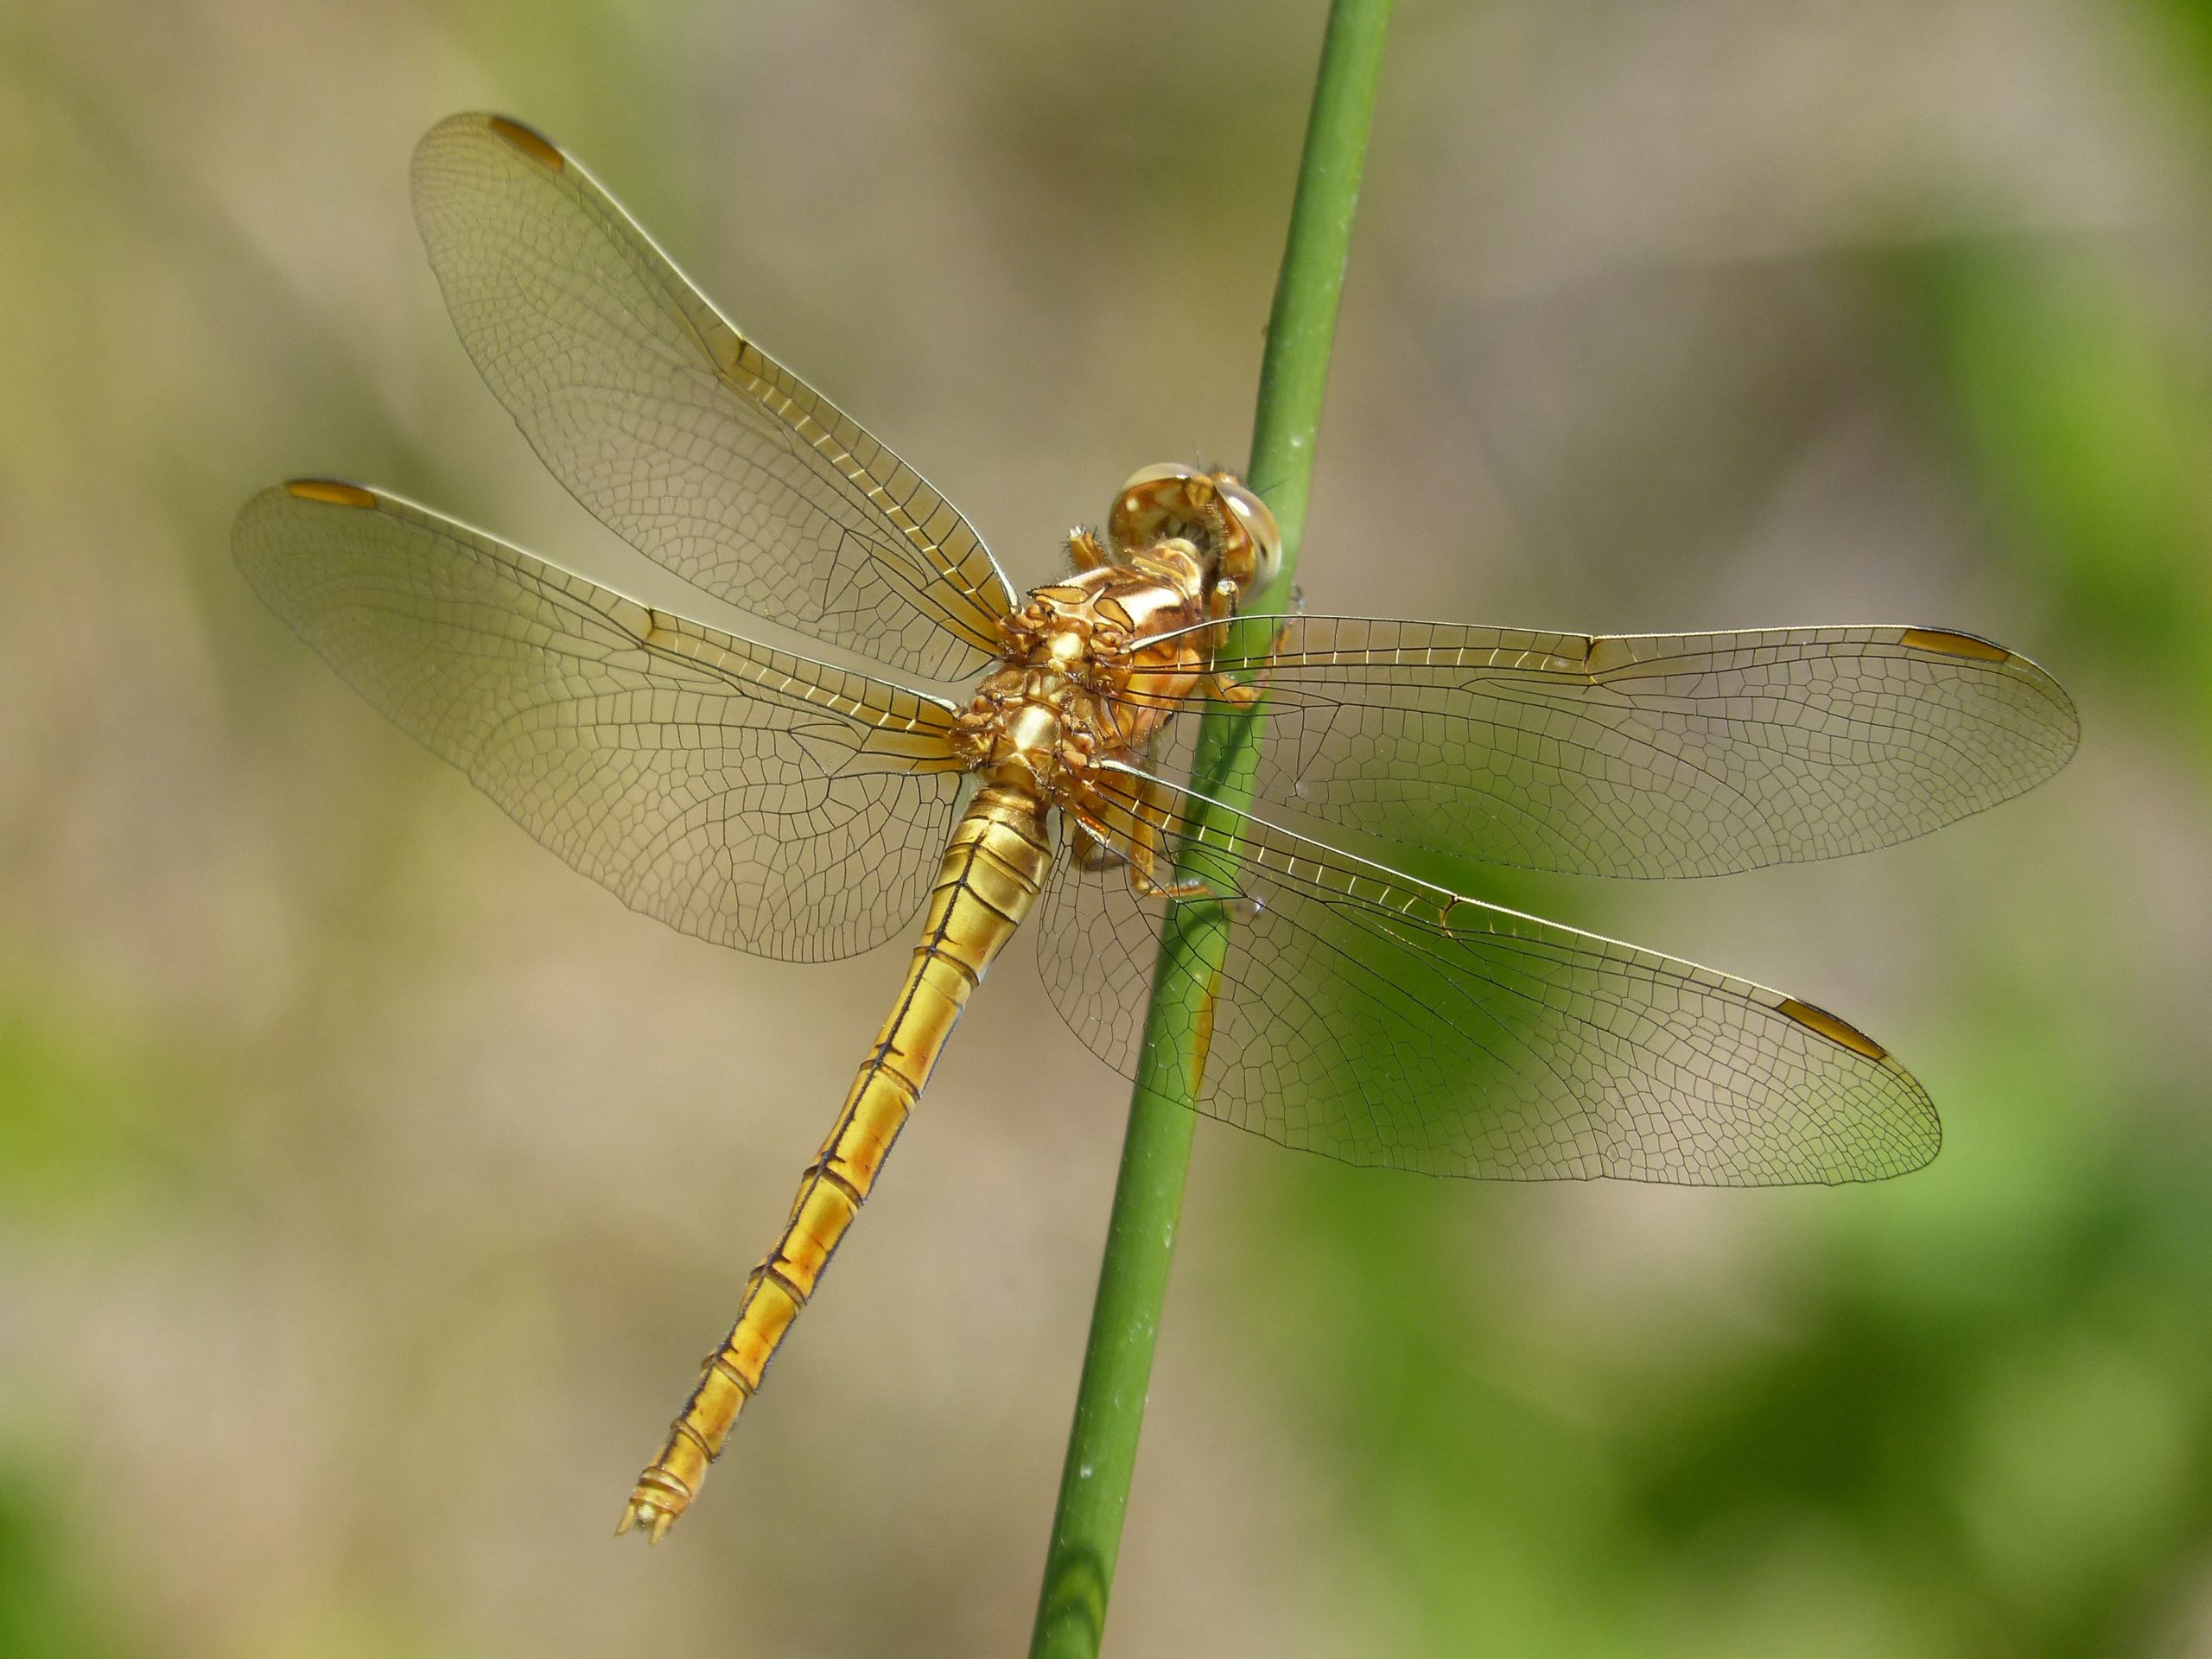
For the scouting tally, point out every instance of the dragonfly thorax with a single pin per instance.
(1091, 668)
(1094, 665)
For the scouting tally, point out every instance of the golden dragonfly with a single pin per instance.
(804, 810)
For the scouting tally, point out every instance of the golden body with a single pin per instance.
(790, 807)
(1091, 668)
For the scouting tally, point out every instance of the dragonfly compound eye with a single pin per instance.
(1258, 523)
(1153, 505)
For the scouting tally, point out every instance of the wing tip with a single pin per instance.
(475, 126)
(2066, 723)
(1909, 1133)
(258, 539)
(1914, 1137)
(1913, 1150)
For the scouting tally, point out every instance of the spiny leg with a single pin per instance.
(1143, 853)
(1086, 551)
(1242, 693)
(1237, 694)
(1092, 851)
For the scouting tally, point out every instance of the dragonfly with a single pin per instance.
(804, 808)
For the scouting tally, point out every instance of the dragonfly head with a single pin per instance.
(1234, 535)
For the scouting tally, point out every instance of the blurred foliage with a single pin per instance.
(46, 1611)
(2087, 426)
(1978, 1433)
(1984, 1425)
(89, 1117)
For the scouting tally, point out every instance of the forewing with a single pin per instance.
(682, 436)
(1651, 754)
(1378, 1020)
(739, 793)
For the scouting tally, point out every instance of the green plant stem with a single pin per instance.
(1156, 1152)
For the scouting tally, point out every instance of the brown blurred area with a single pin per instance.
(370, 1184)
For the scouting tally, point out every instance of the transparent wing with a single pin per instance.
(1651, 754)
(749, 796)
(682, 436)
(1378, 1020)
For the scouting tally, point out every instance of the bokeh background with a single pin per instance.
(370, 1184)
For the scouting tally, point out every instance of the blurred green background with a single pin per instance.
(370, 1184)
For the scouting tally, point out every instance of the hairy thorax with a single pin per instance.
(1085, 677)
(1092, 667)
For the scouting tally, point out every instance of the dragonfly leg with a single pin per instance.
(1092, 851)
(1144, 853)
(1138, 857)
(1086, 551)
(1237, 694)
(1242, 693)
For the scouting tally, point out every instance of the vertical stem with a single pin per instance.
(1156, 1152)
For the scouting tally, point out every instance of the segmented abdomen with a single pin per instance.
(991, 874)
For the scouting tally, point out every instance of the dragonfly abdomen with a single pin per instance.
(990, 877)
